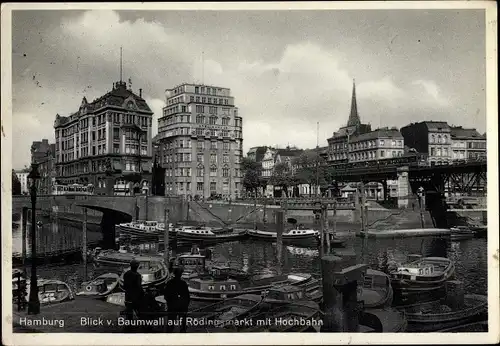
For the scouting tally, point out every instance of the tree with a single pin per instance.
(311, 170)
(252, 175)
(282, 176)
(16, 184)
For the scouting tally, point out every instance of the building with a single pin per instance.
(338, 143)
(430, 137)
(43, 153)
(256, 153)
(467, 144)
(106, 143)
(379, 144)
(22, 175)
(39, 150)
(201, 142)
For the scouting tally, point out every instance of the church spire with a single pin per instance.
(354, 116)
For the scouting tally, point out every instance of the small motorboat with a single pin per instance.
(118, 259)
(153, 270)
(376, 291)
(208, 235)
(435, 316)
(216, 316)
(140, 228)
(101, 286)
(51, 291)
(286, 294)
(117, 298)
(290, 236)
(421, 276)
(461, 233)
(214, 286)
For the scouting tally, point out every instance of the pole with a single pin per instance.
(166, 234)
(34, 302)
(84, 249)
(187, 211)
(24, 225)
(324, 215)
(362, 192)
(334, 227)
(255, 212)
(279, 239)
(322, 228)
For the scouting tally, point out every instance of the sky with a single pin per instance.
(288, 70)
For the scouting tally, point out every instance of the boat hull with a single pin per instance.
(210, 238)
(99, 288)
(287, 238)
(138, 232)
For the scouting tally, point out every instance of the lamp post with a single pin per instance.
(34, 302)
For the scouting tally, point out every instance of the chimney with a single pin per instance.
(140, 92)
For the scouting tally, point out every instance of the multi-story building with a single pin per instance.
(106, 143)
(43, 154)
(201, 142)
(430, 137)
(467, 144)
(375, 145)
(257, 153)
(338, 143)
(22, 175)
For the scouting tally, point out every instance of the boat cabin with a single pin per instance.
(287, 293)
(421, 270)
(53, 291)
(151, 271)
(215, 286)
(149, 226)
(301, 232)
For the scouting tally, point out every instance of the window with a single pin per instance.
(213, 145)
(382, 153)
(199, 186)
(200, 144)
(200, 172)
(381, 142)
(213, 171)
(225, 172)
(225, 159)
(225, 146)
(199, 158)
(116, 148)
(225, 121)
(433, 152)
(213, 158)
(197, 90)
(213, 186)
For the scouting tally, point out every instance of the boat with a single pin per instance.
(436, 315)
(140, 228)
(51, 291)
(117, 298)
(461, 233)
(421, 276)
(216, 316)
(212, 286)
(208, 234)
(117, 259)
(286, 294)
(101, 286)
(386, 320)
(376, 290)
(290, 236)
(153, 270)
(283, 319)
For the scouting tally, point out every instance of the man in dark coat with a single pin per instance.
(132, 284)
(177, 298)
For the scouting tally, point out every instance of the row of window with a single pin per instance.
(441, 139)
(82, 167)
(200, 172)
(371, 155)
(438, 151)
(179, 186)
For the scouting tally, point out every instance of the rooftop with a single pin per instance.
(379, 133)
(458, 132)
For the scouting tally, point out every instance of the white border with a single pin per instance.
(262, 338)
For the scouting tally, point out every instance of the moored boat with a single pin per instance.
(208, 287)
(208, 234)
(153, 270)
(461, 233)
(434, 316)
(376, 290)
(386, 320)
(421, 276)
(51, 291)
(101, 286)
(216, 316)
(143, 229)
(290, 236)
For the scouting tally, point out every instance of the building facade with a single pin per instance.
(338, 144)
(43, 153)
(257, 153)
(379, 144)
(107, 143)
(22, 175)
(432, 138)
(467, 144)
(201, 142)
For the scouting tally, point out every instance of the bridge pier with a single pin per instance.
(404, 190)
(108, 230)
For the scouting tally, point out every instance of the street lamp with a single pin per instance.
(34, 302)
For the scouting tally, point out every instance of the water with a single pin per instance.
(470, 256)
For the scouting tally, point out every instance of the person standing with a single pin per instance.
(176, 293)
(132, 285)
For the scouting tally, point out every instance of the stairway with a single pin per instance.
(405, 219)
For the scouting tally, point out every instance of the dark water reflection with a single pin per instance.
(470, 256)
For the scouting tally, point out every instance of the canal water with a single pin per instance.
(470, 256)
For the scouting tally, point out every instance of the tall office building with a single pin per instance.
(201, 142)
(106, 143)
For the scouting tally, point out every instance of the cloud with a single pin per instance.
(282, 87)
